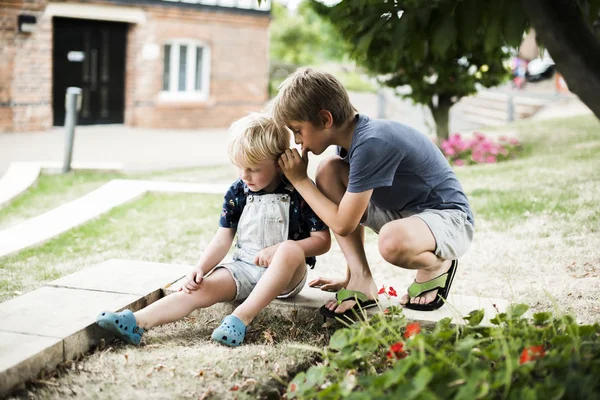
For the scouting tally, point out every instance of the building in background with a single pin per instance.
(151, 63)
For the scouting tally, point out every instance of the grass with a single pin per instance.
(558, 177)
(537, 231)
(50, 191)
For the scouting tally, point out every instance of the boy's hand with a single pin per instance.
(294, 165)
(193, 279)
(265, 256)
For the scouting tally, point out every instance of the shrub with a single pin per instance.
(546, 357)
(479, 149)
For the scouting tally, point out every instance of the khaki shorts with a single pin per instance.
(247, 275)
(452, 231)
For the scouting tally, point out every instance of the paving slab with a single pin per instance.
(24, 355)
(17, 179)
(457, 306)
(56, 323)
(70, 215)
(124, 277)
(58, 312)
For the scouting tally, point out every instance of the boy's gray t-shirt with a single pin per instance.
(405, 169)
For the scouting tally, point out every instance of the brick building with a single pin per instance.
(149, 63)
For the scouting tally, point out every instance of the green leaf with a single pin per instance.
(420, 382)
(517, 310)
(542, 318)
(594, 11)
(340, 339)
(469, 17)
(493, 37)
(475, 317)
(514, 24)
(444, 36)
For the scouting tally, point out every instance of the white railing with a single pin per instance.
(244, 4)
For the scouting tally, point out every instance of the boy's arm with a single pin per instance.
(317, 243)
(213, 254)
(342, 219)
(216, 250)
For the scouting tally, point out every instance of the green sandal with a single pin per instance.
(442, 282)
(362, 303)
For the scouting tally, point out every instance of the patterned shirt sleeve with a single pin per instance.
(232, 207)
(312, 221)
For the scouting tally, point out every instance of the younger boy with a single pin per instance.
(387, 176)
(277, 235)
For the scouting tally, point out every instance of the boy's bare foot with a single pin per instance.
(424, 275)
(328, 284)
(367, 287)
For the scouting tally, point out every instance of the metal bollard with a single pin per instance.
(72, 107)
(510, 108)
(381, 104)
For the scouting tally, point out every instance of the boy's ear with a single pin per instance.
(326, 118)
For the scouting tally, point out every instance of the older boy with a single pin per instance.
(388, 177)
(277, 235)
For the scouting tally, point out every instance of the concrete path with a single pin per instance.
(20, 176)
(56, 323)
(70, 215)
(37, 332)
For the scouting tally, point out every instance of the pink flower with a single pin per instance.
(513, 141)
(450, 152)
(490, 159)
(459, 162)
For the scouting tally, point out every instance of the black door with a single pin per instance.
(90, 55)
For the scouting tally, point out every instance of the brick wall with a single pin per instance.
(238, 71)
(26, 69)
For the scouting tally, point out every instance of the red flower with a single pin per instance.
(382, 290)
(412, 329)
(532, 353)
(392, 292)
(397, 350)
(386, 311)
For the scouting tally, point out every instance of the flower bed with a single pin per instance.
(543, 357)
(479, 149)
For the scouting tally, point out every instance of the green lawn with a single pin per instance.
(545, 201)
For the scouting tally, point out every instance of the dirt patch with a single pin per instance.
(180, 361)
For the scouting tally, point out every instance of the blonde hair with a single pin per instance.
(255, 139)
(306, 92)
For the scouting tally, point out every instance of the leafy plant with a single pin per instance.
(548, 356)
(479, 149)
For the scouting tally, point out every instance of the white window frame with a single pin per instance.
(173, 94)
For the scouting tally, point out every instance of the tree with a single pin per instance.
(303, 38)
(442, 49)
(566, 28)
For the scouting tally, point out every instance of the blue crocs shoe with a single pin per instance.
(122, 324)
(231, 332)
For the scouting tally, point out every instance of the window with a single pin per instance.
(186, 72)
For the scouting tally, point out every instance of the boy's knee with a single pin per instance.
(291, 250)
(331, 168)
(394, 245)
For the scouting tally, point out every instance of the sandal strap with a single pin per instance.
(346, 294)
(416, 288)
